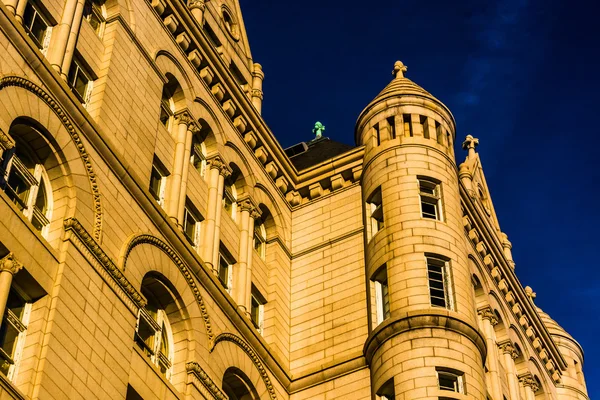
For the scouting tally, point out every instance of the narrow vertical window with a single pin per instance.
(431, 199)
(375, 211)
(257, 309)
(439, 133)
(230, 200)
(387, 391)
(158, 180)
(153, 335)
(80, 82)
(382, 295)
(37, 27)
(408, 128)
(225, 273)
(12, 333)
(392, 123)
(377, 134)
(260, 239)
(440, 283)
(198, 155)
(451, 380)
(425, 125)
(191, 225)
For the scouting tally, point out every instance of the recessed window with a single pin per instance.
(387, 391)
(13, 332)
(191, 225)
(93, 13)
(231, 26)
(431, 199)
(230, 200)
(451, 380)
(375, 210)
(153, 334)
(198, 155)
(27, 185)
(260, 239)
(382, 295)
(158, 181)
(408, 127)
(37, 27)
(440, 284)
(225, 272)
(80, 82)
(257, 309)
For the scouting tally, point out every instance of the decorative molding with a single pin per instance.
(6, 142)
(109, 270)
(230, 337)
(10, 264)
(489, 314)
(507, 347)
(197, 4)
(16, 81)
(207, 384)
(185, 271)
(527, 380)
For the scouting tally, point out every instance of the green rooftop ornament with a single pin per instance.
(318, 130)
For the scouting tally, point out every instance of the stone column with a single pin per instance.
(21, 4)
(9, 266)
(197, 9)
(507, 249)
(181, 132)
(530, 385)
(510, 354)
(192, 130)
(253, 216)
(247, 210)
(216, 182)
(61, 33)
(257, 83)
(11, 5)
(489, 320)
(72, 40)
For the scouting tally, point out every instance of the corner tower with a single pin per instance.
(423, 328)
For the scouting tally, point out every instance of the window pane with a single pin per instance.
(254, 312)
(429, 210)
(448, 382)
(189, 226)
(145, 336)
(224, 272)
(80, 84)
(38, 29)
(8, 337)
(155, 182)
(18, 189)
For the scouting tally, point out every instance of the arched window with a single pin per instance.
(25, 181)
(167, 103)
(198, 154)
(94, 12)
(237, 386)
(153, 332)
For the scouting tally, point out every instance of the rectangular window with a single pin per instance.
(166, 115)
(257, 309)
(191, 226)
(13, 332)
(408, 128)
(375, 210)
(80, 82)
(158, 180)
(392, 123)
(451, 380)
(225, 273)
(382, 295)
(431, 199)
(425, 125)
(387, 391)
(92, 13)
(198, 156)
(229, 201)
(440, 284)
(37, 27)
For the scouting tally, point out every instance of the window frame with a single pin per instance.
(259, 241)
(256, 297)
(75, 71)
(230, 197)
(375, 211)
(161, 329)
(194, 239)
(457, 378)
(18, 323)
(45, 40)
(227, 280)
(158, 195)
(440, 266)
(198, 156)
(433, 198)
(382, 295)
(93, 9)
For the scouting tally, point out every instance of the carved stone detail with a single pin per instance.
(185, 271)
(10, 264)
(196, 4)
(230, 337)
(75, 137)
(527, 380)
(507, 347)
(198, 372)
(489, 314)
(6, 142)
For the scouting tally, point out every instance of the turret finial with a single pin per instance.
(469, 144)
(530, 293)
(399, 69)
(318, 130)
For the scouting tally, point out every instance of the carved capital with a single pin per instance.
(507, 347)
(489, 314)
(216, 162)
(184, 118)
(6, 142)
(10, 264)
(527, 380)
(196, 4)
(257, 93)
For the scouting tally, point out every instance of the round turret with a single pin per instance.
(423, 320)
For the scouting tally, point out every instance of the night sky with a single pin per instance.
(521, 75)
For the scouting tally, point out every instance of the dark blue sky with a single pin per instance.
(521, 75)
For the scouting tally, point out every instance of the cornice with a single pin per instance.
(106, 268)
(488, 247)
(421, 319)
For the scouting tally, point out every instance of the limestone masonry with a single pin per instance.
(156, 242)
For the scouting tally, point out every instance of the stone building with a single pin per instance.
(156, 242)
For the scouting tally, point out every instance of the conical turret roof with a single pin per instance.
(553, 327)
